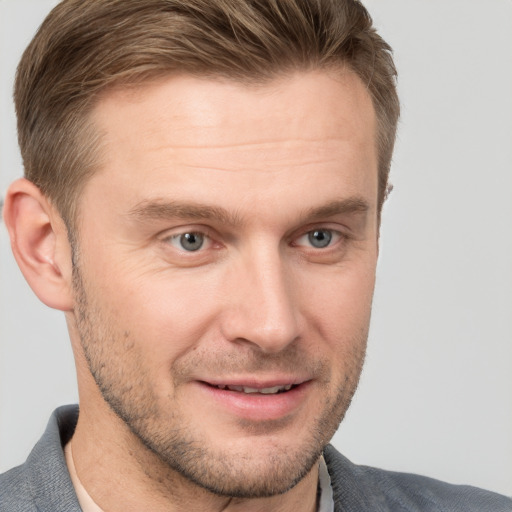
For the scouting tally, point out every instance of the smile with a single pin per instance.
(264, 391)
(257, 401)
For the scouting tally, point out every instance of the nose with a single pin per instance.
(262, 307)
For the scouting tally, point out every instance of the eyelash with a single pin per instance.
(334, 236)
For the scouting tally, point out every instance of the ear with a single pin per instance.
(39, 242)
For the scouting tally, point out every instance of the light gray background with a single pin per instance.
(436, 394)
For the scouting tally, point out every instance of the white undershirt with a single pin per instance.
(87, 504)
(326, 503)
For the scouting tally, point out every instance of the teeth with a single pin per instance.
(247, 389)
(263, 391)
(270, 391)
(235, 388)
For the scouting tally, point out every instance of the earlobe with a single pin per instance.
(39, 243)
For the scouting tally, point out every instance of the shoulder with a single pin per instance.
(43, 483)
(367, 488)
(15, 493)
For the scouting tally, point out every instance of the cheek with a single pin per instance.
(339, 317)
(167, 315)
(341, 300)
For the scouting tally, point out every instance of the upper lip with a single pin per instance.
(252, 382)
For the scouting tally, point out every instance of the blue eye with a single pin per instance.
(188, 241)
(319, 238)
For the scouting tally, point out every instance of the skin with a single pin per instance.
(254, 171)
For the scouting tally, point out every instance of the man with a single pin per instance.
(202, 199)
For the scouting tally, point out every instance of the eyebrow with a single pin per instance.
(160, 209)
(339, 207)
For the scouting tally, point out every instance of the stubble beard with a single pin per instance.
(182, 448)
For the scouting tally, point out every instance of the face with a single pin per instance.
(225, 271)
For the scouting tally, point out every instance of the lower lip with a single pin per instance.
(258, 406)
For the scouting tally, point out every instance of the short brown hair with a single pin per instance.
(86, 46)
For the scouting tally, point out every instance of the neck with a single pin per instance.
(121, 474)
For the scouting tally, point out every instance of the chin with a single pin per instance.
(255, 474)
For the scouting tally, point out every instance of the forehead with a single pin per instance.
(314, 104)
(181, 130)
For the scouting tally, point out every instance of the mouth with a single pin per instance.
(273, 390)
(258, 401)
